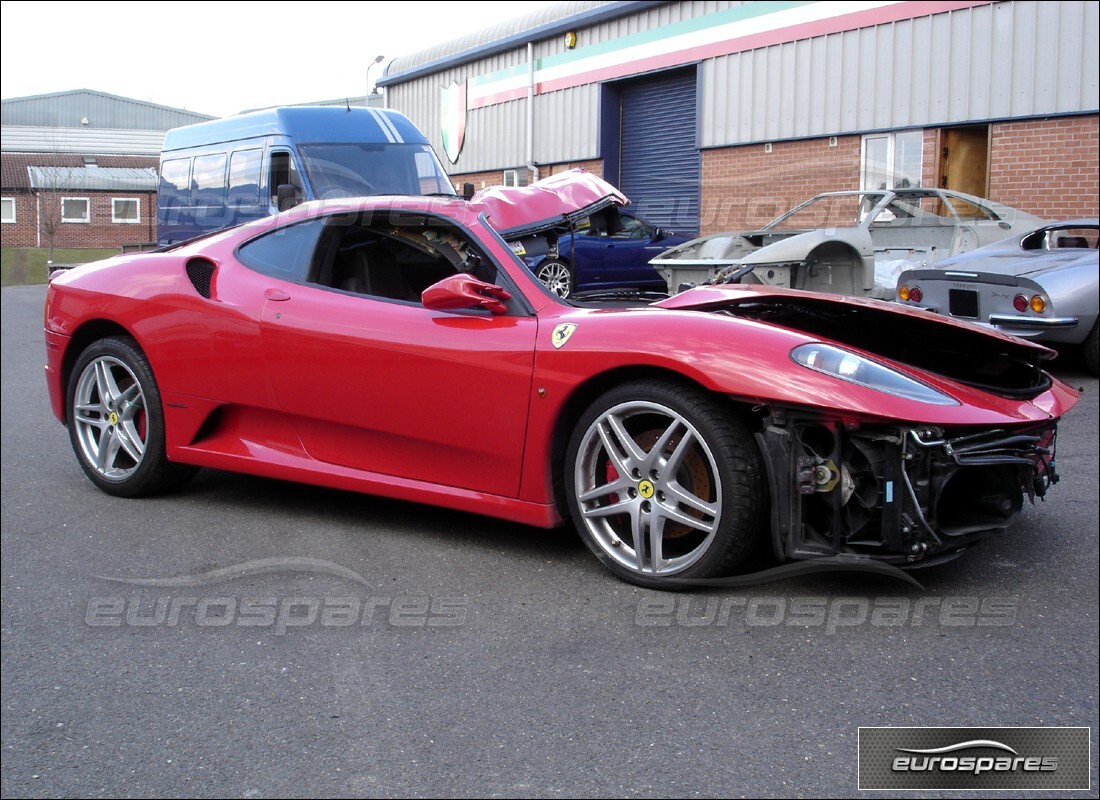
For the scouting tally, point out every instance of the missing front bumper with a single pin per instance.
(898, 494)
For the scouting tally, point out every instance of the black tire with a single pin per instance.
(116, 421)
(557, 276)
(1091, 350)
(699, 498)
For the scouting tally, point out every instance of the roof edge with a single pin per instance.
(96, 92)
(587, 18)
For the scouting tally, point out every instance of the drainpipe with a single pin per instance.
(534, 170)
(37, 219)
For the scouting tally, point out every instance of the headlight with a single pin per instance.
(848, 366)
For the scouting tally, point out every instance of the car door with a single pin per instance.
(619, 259)
(628, 253)
(388, 386)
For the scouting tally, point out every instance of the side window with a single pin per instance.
(284, 253)
(395, 263)
(245, 167)
(208, 181)
(924, 210)
(634, 228)
(282, 171)
(175, 182)
(966, 209)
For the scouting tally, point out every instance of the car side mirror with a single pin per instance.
(658, 234)
(287, 196)
(462, 292)
(467, 190)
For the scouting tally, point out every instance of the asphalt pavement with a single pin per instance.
(245, 637)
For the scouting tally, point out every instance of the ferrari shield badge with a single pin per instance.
(561, 334)
(453, 118)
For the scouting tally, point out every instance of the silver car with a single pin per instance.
(1043, 285)
(853, 243)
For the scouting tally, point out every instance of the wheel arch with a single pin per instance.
(836, 252)
(586, 393)
(83, 337)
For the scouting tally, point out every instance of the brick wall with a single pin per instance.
(100, 231)
(1047, 167)
(745, 187)
(21, 234)
(1050, 168)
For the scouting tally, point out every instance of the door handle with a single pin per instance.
(276, 295)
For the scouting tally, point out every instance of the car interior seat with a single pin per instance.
(350, 272)
(386, 276)
(1071, 241)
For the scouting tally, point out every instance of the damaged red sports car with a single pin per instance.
(397, 346)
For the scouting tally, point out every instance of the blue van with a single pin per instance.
(221, 173)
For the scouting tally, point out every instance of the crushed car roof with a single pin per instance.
(553, 201)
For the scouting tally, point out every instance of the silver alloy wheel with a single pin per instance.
(648, 488)
(109, 418)
(556, 277)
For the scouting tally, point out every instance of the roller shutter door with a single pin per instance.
(659, 158)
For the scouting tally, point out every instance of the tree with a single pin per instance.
(48, 201)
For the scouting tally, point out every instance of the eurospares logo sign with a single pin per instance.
(974, 758)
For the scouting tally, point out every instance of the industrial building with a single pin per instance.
(713, 116)
(79, 169)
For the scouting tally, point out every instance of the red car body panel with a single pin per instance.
(460, 410)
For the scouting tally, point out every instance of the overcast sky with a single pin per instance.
(220, 58)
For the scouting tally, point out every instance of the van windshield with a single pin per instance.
(359, 169)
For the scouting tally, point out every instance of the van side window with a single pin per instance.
(208, 180)
(245, 167)
(284, 253)
(283, 171)
(175, 182)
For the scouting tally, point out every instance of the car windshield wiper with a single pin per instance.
(595, 295)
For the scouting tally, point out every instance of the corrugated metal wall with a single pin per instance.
(566, 121)
(496, 136)
(1024, 58)
(34, 139)
(103, 111)
(1014, 59)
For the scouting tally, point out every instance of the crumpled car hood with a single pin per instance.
(954, 349)
(517, 211)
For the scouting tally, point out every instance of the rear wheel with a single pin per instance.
(664, 485)
(116, 422)
(557, 276)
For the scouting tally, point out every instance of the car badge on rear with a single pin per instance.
(561, 334)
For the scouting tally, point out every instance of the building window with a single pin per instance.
(892, 160)
(7, 213)
(125, 210)
(512, 177)
(75, 209)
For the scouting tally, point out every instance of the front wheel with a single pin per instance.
(557, 277)
(664, 484)
(116, 423)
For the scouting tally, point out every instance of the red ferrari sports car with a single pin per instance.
(397, 346)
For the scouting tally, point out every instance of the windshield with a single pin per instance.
(828, 211)
(370, 168)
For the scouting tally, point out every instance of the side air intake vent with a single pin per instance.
(201, 273)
